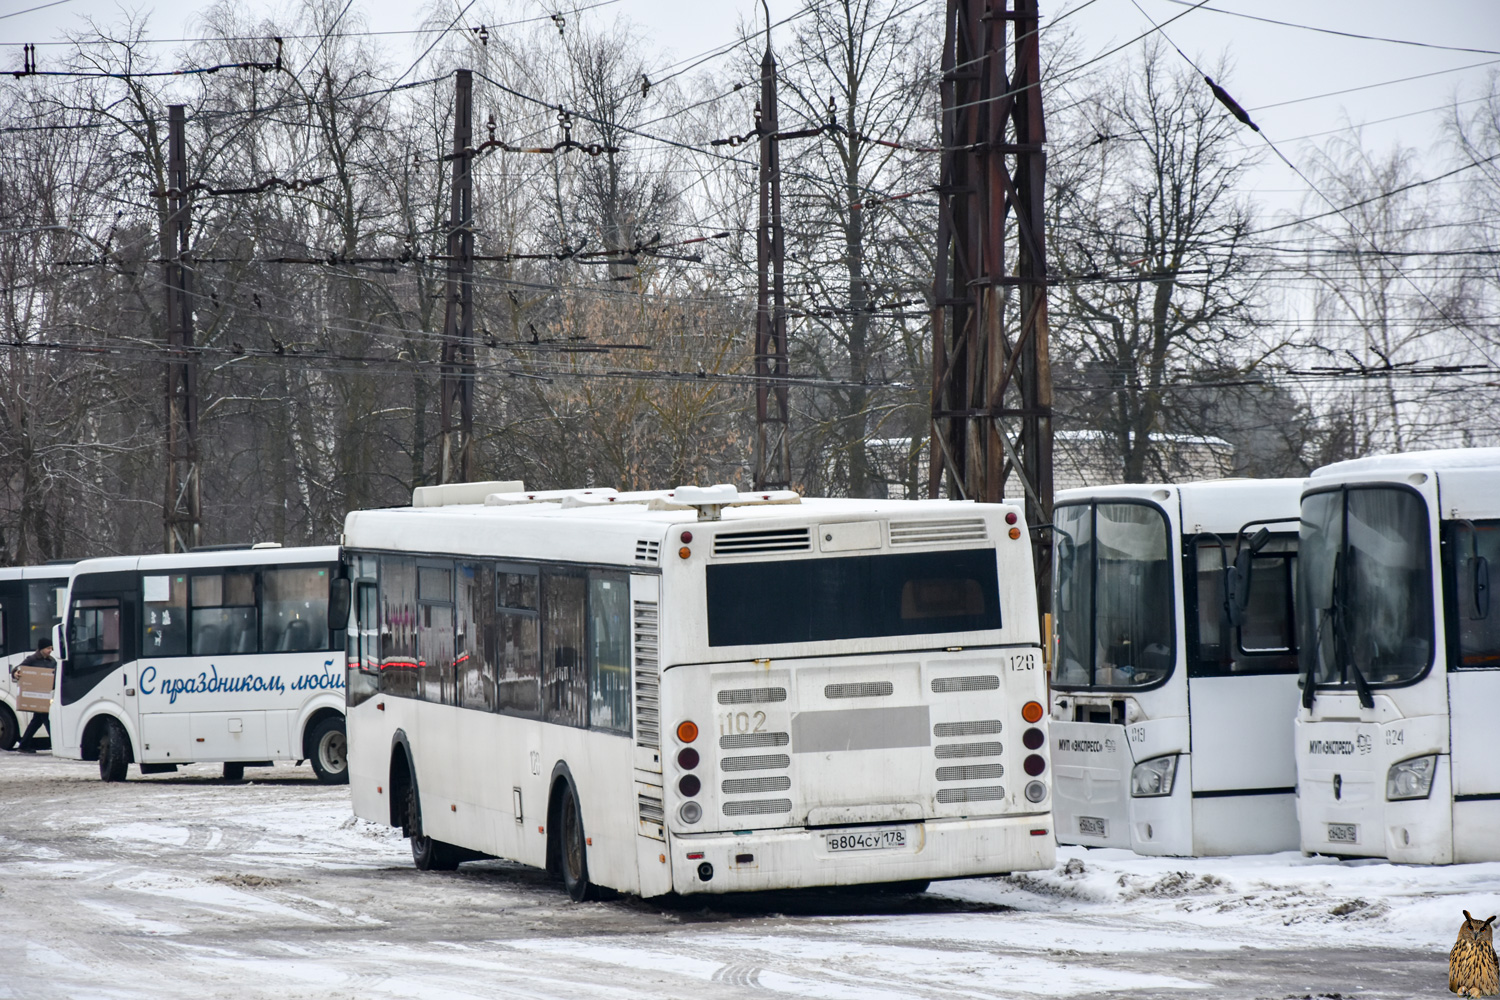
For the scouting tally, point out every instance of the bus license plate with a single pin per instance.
(1092, 826)
(1343, 833)
(864, 840)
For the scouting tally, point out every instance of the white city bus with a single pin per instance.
(1172, 710)
(1401, 658)
(30, 597)
(224, 655)
(699, 690)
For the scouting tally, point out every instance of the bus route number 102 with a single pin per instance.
(739, 723)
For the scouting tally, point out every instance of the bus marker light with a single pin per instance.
(1039, 833)
(662, 858)
(453, 807)
(590, 841)
(687, 732)
(541, 829)
(687, 536)
(1015, 533)
(380, 705)
(696, 856)
(1032, 711)
(1010, 517)
(684, 552)
(379, 790)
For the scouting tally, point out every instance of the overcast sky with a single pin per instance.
(1280, 73)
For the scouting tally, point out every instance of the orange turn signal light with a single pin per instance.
(1015, 532)
(684, 552)
(687, 732)
(1032, 711)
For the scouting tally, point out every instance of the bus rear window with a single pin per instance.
(817, 600)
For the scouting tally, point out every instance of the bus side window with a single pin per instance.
(294, 609)
(223, 613)
(398, 635)
(1474, 615)
(435, 633)
(609, 651)
(565, 695)
(164, 620)
(472, 594)
(512, 641)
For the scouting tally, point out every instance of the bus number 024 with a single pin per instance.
(734, 723)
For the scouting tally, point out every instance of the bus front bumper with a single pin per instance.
(801, 858)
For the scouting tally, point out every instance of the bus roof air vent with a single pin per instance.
(456, 493)
(739, 543)
(648, 551)
(969, 529)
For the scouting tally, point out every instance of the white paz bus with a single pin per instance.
(1174, 680)
(224, 655)
(699, 690)
(30, 600)
(1401, 658)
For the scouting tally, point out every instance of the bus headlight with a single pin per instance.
(1411, 779)
(690, 813)
(1153, 778)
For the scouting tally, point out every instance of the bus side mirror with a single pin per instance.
(1065, 553)
(1481, 588)
(338, 603)
(1237, 589)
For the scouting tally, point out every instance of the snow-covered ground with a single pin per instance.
(182, 886)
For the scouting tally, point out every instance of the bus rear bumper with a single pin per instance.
(801, 858)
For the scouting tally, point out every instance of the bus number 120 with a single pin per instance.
(732, 723)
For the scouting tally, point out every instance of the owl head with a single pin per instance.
(1477, 930)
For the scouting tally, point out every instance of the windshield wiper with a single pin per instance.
(1341, 645)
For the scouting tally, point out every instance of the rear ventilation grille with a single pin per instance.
(745, 741)
(645, 630)
(745, 786)
(761, 807)
(970, 772)
(735, 543)
(751, 696)
(861, 689)
(650, 809)
(986, 793)
(764, 762)
(648, 552)
(984, 727)
(929, 532)
(947, 751)
(983, 682)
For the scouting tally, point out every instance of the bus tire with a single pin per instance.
(330, 751)
(427, 854)
(573, 848)
(114, 752)
(10, 729)
(234, 771)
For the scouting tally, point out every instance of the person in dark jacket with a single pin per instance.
(41, 658)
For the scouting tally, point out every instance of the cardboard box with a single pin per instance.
(36, 689)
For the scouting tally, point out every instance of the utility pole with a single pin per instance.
(182, 508)
(457, 369)
(991, 375)
(773, 462)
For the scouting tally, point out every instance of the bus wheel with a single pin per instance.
(427, 854)
(114, 752)
(234, 771)
(330, 751)
(575, 861)
(10, 729)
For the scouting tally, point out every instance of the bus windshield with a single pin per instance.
(1114, 607)
(1364, 596)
